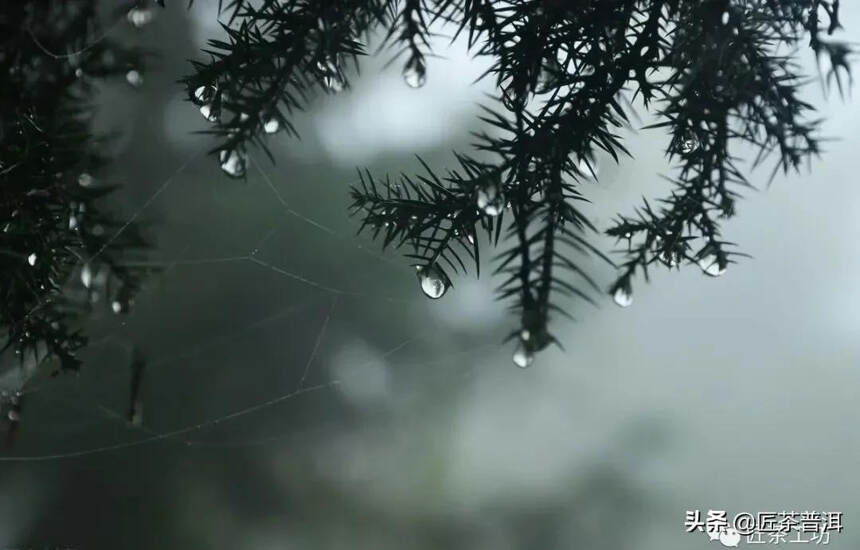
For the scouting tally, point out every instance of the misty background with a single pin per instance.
(358, 414)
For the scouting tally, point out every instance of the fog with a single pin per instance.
(357, 414)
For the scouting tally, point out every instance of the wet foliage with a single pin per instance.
(59, 250)
(711, 71)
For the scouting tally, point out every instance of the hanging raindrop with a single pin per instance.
(415, 76)
(523, 358)
(433, 281)
(210, 112)
(334, 83)
(669, 258)
(332, 78)
(271, 126)
(13, 415)
(31, 259)
(140, 17)
(134, 78)
(623, 297)
(490, 200)
(233, 163)
(204, 94)
(712, 266)
(689, 144)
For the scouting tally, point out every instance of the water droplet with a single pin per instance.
(334, 83)
(117, 307)
(415, 76)
(79, 72)
(523, 358)
(725, 19)
(140, 17)
(271, 126)
(669, 258)
(712, 266)
(433, 281)
(85, 180)
(490, 200)
(31, 259)
(73, 222)
(689, 144)
(233, 163)
(623, 297)
(525, 334)
(134, 78)
(204, 94)
(332, 79)
(86, 276)
(13, 415)
(210, 112)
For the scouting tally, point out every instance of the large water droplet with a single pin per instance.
(623, 297)
(210, 112)
(523, 358)
(415, 77)
(139, 17)
(234, 163)
(31, 259)
(434, 283)
(689, 144)
(13, 415)
(332, 79)
(712, 266)
(271, 126)
(334, 83)
(134, 78)
(204, 94)
(490, 200)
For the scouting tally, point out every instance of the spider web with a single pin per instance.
(375, 285)
(328, 303)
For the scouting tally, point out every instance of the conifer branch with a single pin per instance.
(710, 71)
